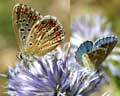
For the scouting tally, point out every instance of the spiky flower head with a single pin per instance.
(50, 76)
(91, 27)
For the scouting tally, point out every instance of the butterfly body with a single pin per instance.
(92, 55)
(36, 34)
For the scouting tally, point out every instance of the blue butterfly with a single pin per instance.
(91, 54)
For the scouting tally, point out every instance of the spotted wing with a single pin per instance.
(45, 35)
(94, 58)
(108, 43)
(84, 48)
(24, 17)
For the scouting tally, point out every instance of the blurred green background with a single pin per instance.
(65, 11)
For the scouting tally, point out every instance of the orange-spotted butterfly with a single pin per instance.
(36, 34)
(91, 54)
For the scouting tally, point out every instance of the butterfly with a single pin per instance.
(36, 34)
(92, 55)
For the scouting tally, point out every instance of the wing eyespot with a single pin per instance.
(30, 44)
(22, 30)
(24, 20)
(27, 24)
(29, 29)
(43, 30)
(31, 36)
(23, 37)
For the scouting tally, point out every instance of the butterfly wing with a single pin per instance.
(84, 48)
(94, 58)
(24, 17)
(108, 43)
(93, 55)
(45, 35)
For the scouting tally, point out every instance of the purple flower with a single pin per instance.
(92, 27)
(50, 76)
(89, 27)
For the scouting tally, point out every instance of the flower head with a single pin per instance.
(90, 27)
(50, 76)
